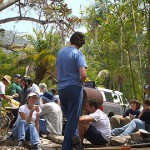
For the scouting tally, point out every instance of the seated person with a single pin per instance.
(94, 127)
(55, 96)
(143, 122)
(25, 82)
(43, 88)
(134, 111)
(51, 115)
(27, 123)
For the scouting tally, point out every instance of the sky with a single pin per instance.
(27, 27)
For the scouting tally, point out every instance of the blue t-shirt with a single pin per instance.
(132, 113)
(69, 60)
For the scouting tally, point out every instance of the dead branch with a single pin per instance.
(7, 47)
(12, 48)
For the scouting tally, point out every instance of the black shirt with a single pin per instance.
(146, 117)
(131, 112)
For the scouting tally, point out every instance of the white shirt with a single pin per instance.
(25, 110)
(101, 123)
(2, 88)
(35, 88)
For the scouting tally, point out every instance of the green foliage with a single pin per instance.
(117, 42)
(7, 62)
(40, 56)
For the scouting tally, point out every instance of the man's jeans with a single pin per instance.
(24, 131)
(42, 124)
(71, 102)
(128, 129)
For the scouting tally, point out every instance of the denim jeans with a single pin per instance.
(71, 102)
(128, 129)
(42, 124)
(24, 131)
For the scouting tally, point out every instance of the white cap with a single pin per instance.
(32, 94)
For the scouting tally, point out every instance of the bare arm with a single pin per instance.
(120, 117)
(82, 74)
(29, 118)
(5, 97)
(86, 119)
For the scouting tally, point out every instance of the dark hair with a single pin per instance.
(27, 81)
(147, 101)
(53, 91)
(93, 102)
(137, 102)
(77, 39)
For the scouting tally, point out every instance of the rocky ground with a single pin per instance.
(53, 142)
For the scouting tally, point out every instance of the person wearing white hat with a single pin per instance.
(26, 126)
(5, 81)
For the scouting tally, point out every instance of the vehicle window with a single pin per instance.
(109, 97)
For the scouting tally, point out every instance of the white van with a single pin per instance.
(112, 101)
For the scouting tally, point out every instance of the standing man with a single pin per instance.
(5, 81)
(95, 127)
(15, 87)
(71, 73)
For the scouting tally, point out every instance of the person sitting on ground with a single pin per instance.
(94, 127)
(52, 115)
(34, 88)
(25, 83)
(142, 122)
(26, 126)
(43, 88)
(55, 96)
(118, 121)
(15, 87)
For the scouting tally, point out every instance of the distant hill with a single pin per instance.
(8, 37)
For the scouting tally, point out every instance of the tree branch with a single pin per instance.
(18, 18)
(7, 47)
(12, 48)
(6, 4)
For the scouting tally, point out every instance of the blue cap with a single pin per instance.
(48, 96)
(17, 76)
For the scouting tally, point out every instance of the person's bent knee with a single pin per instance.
(22, 122)
(136, 120)
(84, 124)
(31, 125)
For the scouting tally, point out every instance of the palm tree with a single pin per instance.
(39, 57)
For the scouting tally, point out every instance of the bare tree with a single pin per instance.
(46, 12)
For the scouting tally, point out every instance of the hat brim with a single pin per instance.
(32, 94)
(7, 80)
(45, 98)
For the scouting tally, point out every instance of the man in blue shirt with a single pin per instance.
(71, 73)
